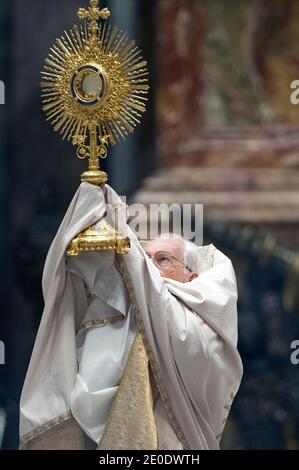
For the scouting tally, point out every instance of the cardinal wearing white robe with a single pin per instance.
(131, 353)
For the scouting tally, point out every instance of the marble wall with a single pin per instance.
(179, 76)
(227, 132)
(224, 74)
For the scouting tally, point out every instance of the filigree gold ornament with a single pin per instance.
(94, 91)
(95, 86)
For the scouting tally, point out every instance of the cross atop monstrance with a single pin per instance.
(93, 13)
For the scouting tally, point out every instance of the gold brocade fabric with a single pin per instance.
(131, 423)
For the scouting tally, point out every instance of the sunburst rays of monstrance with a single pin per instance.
(94, 90)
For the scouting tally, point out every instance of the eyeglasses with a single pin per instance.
(164, 260)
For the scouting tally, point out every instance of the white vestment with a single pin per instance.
(102, 347)
(190, 331)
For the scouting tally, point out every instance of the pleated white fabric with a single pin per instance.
(102, 347)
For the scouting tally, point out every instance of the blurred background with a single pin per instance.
(220, 131)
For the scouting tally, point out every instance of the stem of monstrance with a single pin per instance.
(94, 175)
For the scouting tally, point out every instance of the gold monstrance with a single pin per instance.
(95, 87)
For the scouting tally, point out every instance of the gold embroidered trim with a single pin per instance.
(44, 427)
(131, 423)
(100, 322)
(155, 368)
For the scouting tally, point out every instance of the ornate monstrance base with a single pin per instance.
(94, 177)
(99, 237)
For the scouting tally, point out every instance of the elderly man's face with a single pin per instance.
(177, 268)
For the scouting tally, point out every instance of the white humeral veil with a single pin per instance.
(190, 329)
